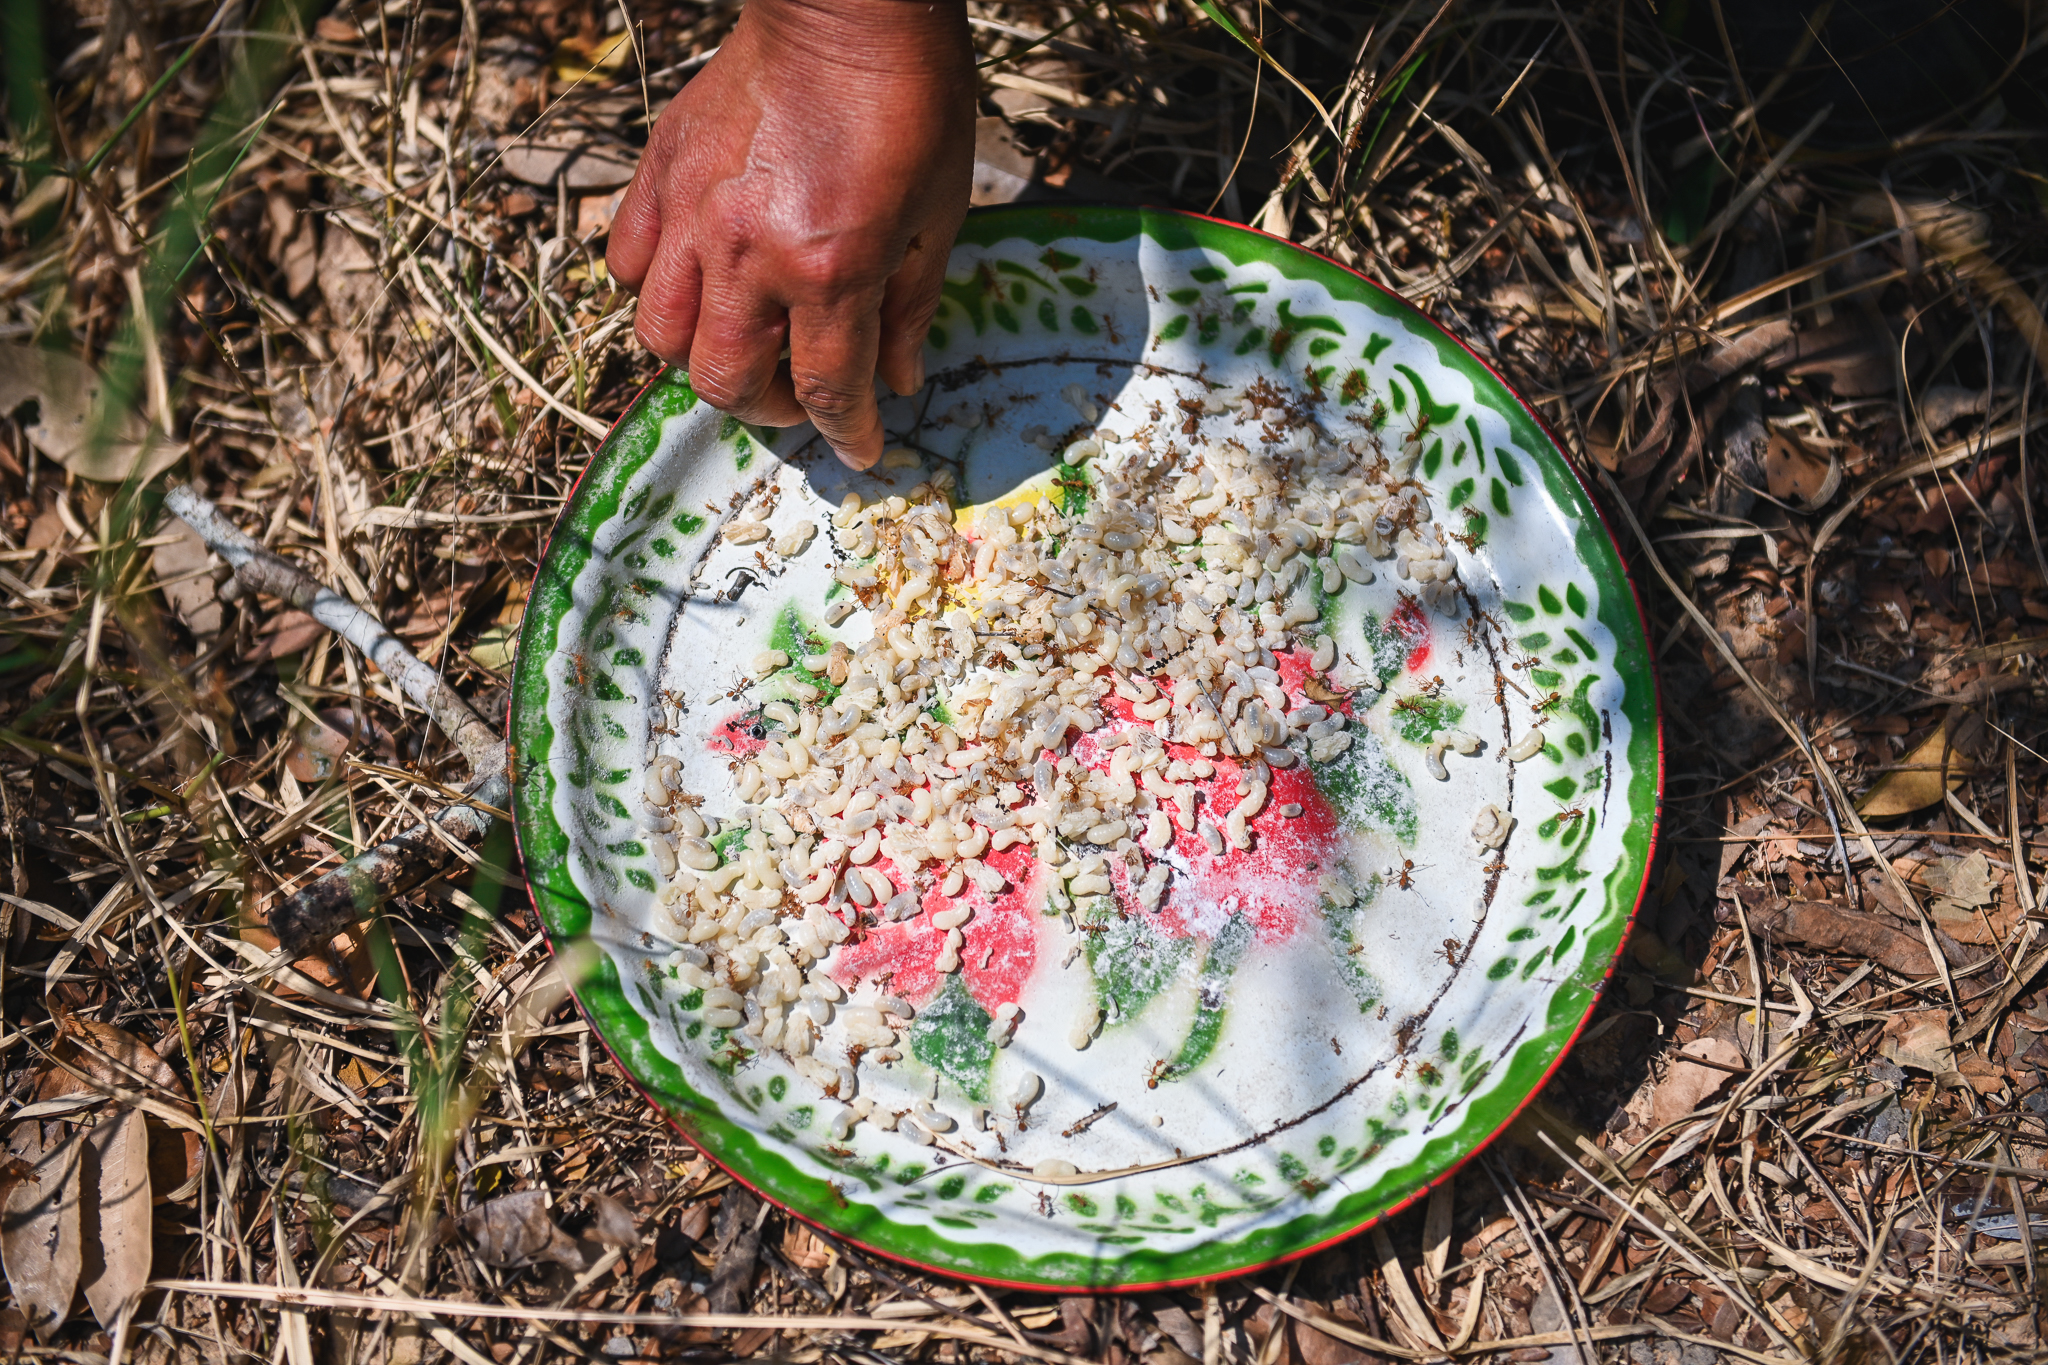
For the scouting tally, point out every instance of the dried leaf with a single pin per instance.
(189, 591)
(739, 1247)
(1687, 1086)
(1943, 405)
(1967, 887)
(350, 948)
(588, 59)
(1319, 690)
(66, 392)
(1824, 925)
(1966, 882)
(614, 1224)
(40, 1241)
(117, 1210)
(349, 279)
(695, 1222)
(110, 1056)
(1858, 359)
(1916, 783)
(584, 165)
(1797, 475)
(1003, 171)
(515, 1230)
(1919, 1039)
(802, 1249)
(1320, 1348)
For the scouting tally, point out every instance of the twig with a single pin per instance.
(798, 1322)
(306, 921)
(259, 570)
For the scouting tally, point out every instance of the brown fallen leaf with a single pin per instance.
(189, 592)
(1857, 358)
(613, 1224)
(1797, 475)
(66, 392)
(1829, 927)
(738, 1249)
(109, 1056)
(1919, 1039)
(286, 633)
(1318, 689)
(116, 1214)
(1917, 782)
(40, 1241)
(100, 1056)
(581, 164)
(695, 1222)
(350, 948)
(515, 1230)
(578, 59)
(1003, 170)
(802, 1249)
(1687, 1085)
(1319, 1348)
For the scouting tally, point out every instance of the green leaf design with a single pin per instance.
(1309, 322)
(1437, 413)
(1132, 958)
(1420, 719)
(1225, 953)
(1367, 791)
(950, 1036)
(1346, 926)
(1388, 648)
(796, 637)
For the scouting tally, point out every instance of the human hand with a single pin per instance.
(804, 190)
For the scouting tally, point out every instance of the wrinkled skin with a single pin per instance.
(803, 192)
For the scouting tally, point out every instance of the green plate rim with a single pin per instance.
(622, 1031)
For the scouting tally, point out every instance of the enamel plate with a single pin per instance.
(1083, 1086)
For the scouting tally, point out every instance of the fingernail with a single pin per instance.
(917, 372)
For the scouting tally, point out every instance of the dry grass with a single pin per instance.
(1800, 355)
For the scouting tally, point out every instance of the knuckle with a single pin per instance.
(831, 268)
(656, 336)
(716, 385)
(826, 397)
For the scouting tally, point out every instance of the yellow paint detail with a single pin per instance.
(1038, 488)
